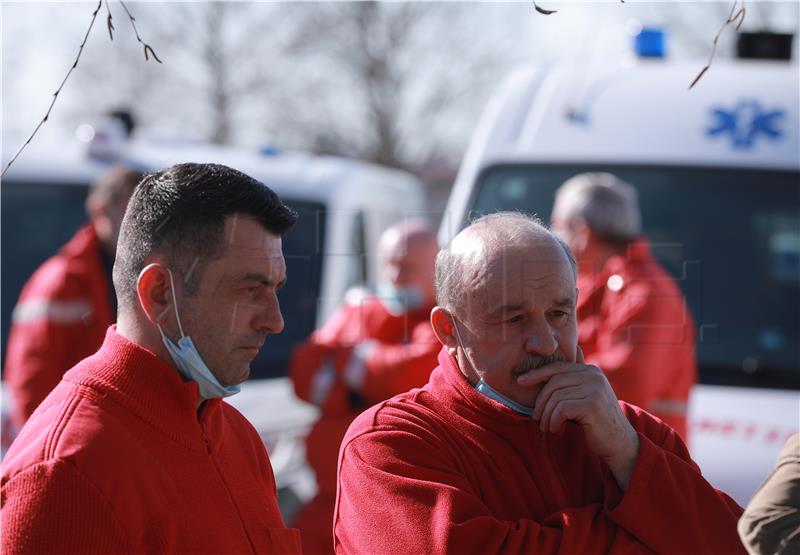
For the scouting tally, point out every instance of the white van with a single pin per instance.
(344, 206)
(718, 173)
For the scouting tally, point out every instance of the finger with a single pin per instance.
(540, 375)
(579, 357)
(558, 397)
(569, 410)
(555, 383)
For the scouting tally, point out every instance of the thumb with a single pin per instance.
(579, 356)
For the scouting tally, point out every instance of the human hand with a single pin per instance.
(580, 393)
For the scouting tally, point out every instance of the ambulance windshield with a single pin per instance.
(731, 237)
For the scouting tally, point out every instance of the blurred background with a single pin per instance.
(401, 84)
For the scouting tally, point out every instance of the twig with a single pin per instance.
(109, 24)
(732, 17)
(542, 10)
(55, 94)
(147, 47)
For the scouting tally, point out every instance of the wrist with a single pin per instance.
(623, 461)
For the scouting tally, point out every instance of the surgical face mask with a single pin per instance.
(189, 362)
(399, 300)
(484, 388)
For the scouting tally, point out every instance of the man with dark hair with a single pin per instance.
(634, 321)
(67, 304)
(515, 445)
(134, 451)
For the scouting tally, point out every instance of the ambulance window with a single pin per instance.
(37, 219)
(731, 238)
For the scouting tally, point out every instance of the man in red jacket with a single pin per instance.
(634, 322)
(134, 450)
(516, 445)
(372, 348)
(67, 304)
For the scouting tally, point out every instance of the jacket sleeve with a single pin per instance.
(322, 353)
(52, 508)
(394, 368)
(771, 522)
(641, 341)
(667, 493)
(48, 336)
(398, 493)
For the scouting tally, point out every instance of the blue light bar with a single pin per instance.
(650, 43)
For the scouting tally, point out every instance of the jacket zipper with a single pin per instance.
(225, 484)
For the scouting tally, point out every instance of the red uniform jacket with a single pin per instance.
(117, 460)
(634, 324)
(444, 469)
(401, 353)
(61, 318)
(401, 358)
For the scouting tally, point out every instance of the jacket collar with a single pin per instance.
(449, 385)
(149, 387)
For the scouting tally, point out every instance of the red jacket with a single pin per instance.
(61, 318)
(116, 460)
(444, 469)
(634, 324)
(401, 355)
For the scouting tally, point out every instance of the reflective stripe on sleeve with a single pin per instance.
(669, 406)
(58, 312)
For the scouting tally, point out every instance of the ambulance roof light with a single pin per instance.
(650, 42)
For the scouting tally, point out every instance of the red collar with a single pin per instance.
(149, 387)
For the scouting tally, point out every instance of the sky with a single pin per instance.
(40, 41)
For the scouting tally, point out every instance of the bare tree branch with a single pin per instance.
(147, 47)
(733, 16)
(61, 86)
(109, 24)
(542, 10)
(110, 27)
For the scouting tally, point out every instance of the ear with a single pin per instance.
(442, 324)
(153, 289)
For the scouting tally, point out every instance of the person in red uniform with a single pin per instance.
(634, 321)
(516, 445)
(372, 348)
(134, 450)
(67, 304)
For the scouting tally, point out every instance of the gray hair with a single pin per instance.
(608, 205)
(497, 228)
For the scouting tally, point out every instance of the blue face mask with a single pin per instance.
(189, 362)
(484, 388)
(399, 300)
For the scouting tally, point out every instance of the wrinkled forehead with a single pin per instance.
(244, 236)
(533, 272)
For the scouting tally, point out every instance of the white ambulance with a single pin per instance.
(718, 174)
(344, 206)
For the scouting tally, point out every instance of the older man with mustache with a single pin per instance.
(515, 445)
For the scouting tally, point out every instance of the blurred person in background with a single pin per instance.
(771, 522)
(372, 348)
(67, 304)
(633, 319)
(134, 450)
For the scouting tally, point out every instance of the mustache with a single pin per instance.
(532, 363)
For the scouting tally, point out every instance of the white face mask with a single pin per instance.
(189, 362)
(484, 388)
(399, 300)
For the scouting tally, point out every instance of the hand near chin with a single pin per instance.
(580, 393)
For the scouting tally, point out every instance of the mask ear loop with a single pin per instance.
(175, 303)
(472, 369)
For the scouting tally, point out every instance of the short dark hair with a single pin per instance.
(181, 211)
